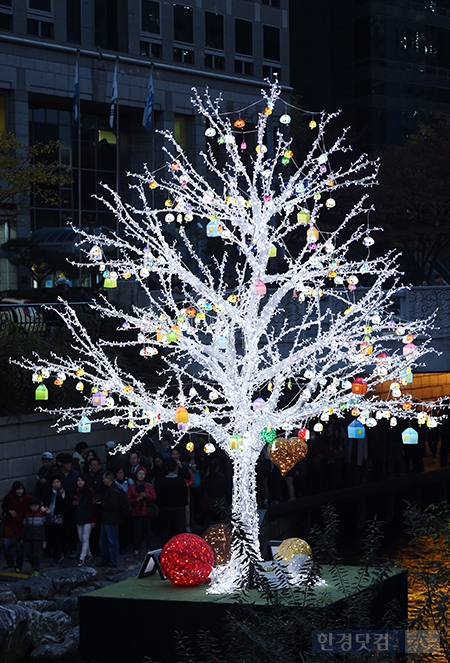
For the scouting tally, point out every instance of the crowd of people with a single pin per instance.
(83, 506)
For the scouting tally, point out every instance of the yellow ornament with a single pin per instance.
(290, 547)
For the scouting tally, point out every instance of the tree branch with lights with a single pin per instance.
(249, 372)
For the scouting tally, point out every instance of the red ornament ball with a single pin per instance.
(187, 560)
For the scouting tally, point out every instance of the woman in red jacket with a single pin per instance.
(14, 506)
(140, 494)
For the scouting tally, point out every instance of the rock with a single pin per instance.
(65, 580)
(69, 605)
(53, 652)
(48, 627)
(119, 574)
(33, 589)
(14, 638)
(7, 595)
(40, 606)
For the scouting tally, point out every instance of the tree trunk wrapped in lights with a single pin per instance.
(227, 349)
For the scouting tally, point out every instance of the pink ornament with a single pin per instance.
(260, 287)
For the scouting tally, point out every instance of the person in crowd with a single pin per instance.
(68, 478)
(94, 477)
(111, 458)
(134, 462)
(140, 495)
(148, 445)
(166, 445)
(124, 483)
(85, 514)
(159, 469)
(79, 456)
(89, 456)
(14, 506)
(172, 499)
(217, 489)
(59, 461)
(54, 523)
(45, 474)
(62, 291)
(33, 533)
(110, 500)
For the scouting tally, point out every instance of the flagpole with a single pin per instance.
(79, 154)
(117, 143)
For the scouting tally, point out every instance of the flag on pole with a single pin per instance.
(148, 110)
(114, 96)
(76, 97)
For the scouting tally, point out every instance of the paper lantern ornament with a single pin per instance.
(236, 442)
(303, 217)
(219, 538)
(260, 287)
(98, 399)
(41, 393)
(214, 228)
(359, 386)
(410, 436)
(187, 560)
(258, 404)
(286, 453)
(303, 434)
(356, 430)
(84, 425)
(181, 417)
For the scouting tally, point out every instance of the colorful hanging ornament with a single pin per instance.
(181, 417)
(268, 434)
(285, 119)
(356, 430)
(258, 404)
(235, 442)
(98, 399)
(41, 392)
(239, 123)
(359, 386)
(410, 436)
(84, 425)
(259, 288)
(286, 453)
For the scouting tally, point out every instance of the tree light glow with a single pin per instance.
(229, 349)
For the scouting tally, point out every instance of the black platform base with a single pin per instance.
(138, 618)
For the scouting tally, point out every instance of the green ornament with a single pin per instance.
(268, 434)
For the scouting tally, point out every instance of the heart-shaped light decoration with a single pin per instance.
(286, 453)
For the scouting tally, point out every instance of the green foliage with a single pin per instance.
(30, 170)
(427, 557)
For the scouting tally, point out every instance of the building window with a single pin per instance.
(214, 30)
(243, 67)
(40, 6)
(151, 49)
(150, 16)
(40, 28)
(183, 55)
(6, 21)
(271, 72)
(73, 17)
(106, 24)
(271, 43)
(214, 61)
(181, 131)
(183, 24)
(272, 3)
(243, 37)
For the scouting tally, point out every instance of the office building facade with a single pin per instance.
(228, 45)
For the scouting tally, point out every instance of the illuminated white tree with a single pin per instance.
(227, 348)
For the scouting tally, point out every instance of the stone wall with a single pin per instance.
(24, 438)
